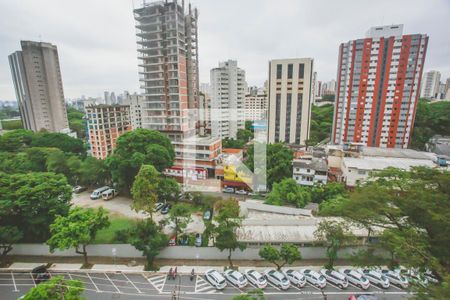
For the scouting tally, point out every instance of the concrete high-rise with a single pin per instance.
(290, 100)
(227, 99)
(37, 81)
(168, 66)
(378, 87)
(431, 81)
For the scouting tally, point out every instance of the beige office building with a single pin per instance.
(290, 98)
(38, 85)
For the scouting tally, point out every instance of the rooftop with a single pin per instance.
(316, 164)
(380, 163)
(249, 205)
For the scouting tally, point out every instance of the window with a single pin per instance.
(279, 68)
(290, 68)
(301, 71)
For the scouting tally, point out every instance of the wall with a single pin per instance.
(177, 252)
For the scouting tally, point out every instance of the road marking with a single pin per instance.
(14, 282)
(335, 286)
(117, 289)
(96, 287)
(375, 286)
(277, 288)
(132, 283)
(312, 285)
(203, 286)
(158, 281)
(32, 278)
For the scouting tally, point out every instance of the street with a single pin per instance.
(145, 285)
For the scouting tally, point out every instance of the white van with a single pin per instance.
(97, 194)
(109, 194)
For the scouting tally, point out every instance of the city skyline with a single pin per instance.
(98, 54)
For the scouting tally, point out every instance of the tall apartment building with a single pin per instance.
(227, 99)
(255, 105)
(38, 85)
(431, 81)
(290, 100)
(135, 103)
(105, 124)
(378, 87)
(328, 87)
(168, 66)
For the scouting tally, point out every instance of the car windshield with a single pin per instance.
(321, 278)
(261, 279)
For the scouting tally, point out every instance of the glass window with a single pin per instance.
(301, 71)
(290, 68)
(279, 69)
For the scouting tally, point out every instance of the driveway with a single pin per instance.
(121, 205)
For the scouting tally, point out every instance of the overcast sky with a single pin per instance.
(97, 49)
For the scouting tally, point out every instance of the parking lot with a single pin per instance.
(144, 285)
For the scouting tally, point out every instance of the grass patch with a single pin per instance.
(108, 235)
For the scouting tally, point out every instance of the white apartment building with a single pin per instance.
(430, 85)
(227, 99)
(290, 100)
(255, 106)
(135, 103)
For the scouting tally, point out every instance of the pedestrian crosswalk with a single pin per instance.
(203, 286)
(157, 281)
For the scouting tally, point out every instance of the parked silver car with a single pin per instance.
(314, 278)
(256, 278)
(277, 278)
(376, 278)
(295, 277)
(396, 278)
(236, 278)
(336, 278)
(215, 279)
(356, 278)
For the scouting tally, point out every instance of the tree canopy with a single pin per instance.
(413, 210)
(61, 141)
(180, 216)
(136, 148)
(289, 192)
(32, 201)
(286, 254)
(56, 288)
(321, 123)
(279, 162)
(77, 230)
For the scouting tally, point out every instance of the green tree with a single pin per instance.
(279, 162)
(32, 201)
(56, 288)
(228, 221)
(321, 123)
(8, 236)
(431, 119)
(144, 190)
(180, 216)
(16, 140)
(232, 143)
(324, 192)
(289, 192)
(413, 210)
(335, 235)
(168, 189)
(76, 121)
(136, 148)
(147, 237)
(287, 254)
(256, 294)
(77, 230)
(94, 172)
(12, 124)
(61, 141)
(244, 135)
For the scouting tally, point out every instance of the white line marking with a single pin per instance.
(32, 278)
(117, 289)
(96, 287)
(275, 287)
(312, 285)
(132, 283)
(14, 282)
(335, 286)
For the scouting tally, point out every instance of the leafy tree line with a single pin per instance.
(431, 119)
(76, 123)
(321, 123)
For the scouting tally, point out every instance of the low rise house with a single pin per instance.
(310, 171)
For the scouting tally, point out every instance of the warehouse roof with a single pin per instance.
(380, 163)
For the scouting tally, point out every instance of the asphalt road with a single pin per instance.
(118, 285)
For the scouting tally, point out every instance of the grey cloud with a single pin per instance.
(97, 47)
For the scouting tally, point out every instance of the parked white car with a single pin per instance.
(376, 278)
(241, 192)
(396, 278)
(314, 278)
(236, 278)
(415, 277)
(256, 278)
(334, 277)
(356, 278)
(215, 279)
(277, 278)
(295, 277)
